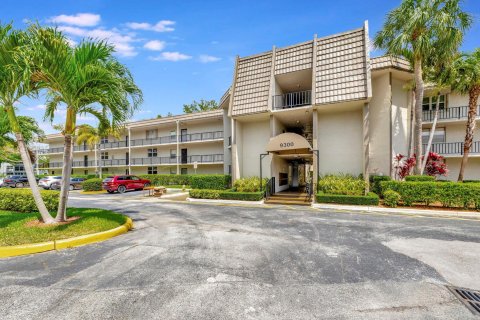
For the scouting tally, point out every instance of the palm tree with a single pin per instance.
(85, 79)
(15, 83)
(416, 30)
(464, 77)
(92, 137)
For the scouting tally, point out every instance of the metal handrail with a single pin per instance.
(187, 137)
(292, 99)
(269, 188)
(448, 113)
(452, 147)
(206, 158)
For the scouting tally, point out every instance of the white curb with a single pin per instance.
(425, 212)
(261, 202)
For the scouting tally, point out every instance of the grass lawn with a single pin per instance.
(14, 229)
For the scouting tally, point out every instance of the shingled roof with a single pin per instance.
(341, 66)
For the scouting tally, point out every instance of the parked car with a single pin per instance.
(47, 181)
(75, 184)
(1, 182)
(124, 183)
(15, 181)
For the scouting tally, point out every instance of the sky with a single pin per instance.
(180, 51)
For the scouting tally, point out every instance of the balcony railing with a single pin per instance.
(114, 144)
(190, 137)
(448, 114)
(292, 100)
(50, 150)
(208, 158)
(453, 148)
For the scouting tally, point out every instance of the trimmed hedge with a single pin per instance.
(370, 199)
(225, 195)
(419, 178)
(449, 194)
(342, 184)
(375, 183)
(391, 198)
(210, 181)
(203, 181)
(92, 184)
(249, 184)
(21, 200)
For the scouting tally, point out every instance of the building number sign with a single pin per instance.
(286, 144)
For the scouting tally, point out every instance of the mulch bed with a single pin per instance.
(39, 224)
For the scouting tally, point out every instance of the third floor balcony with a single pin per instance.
(183, 138)
(292, 100)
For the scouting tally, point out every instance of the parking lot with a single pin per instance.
(197, 261)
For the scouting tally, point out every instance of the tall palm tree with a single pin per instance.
(416, 30)
(15, 83)
(464, 77)
(85, 79)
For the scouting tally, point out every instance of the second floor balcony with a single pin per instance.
(451, 113)
(205, 158)
(292, 100)
(184, 137)
(453, 148)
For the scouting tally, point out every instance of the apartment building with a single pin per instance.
(184, 144)
(318, 107)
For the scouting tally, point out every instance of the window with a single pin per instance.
(152, 134)
(173, 153)
(104, 155)
(152, 153)
(85, 172)
(438, 136)
(173, 171)
(430, 103)
(184, 171)
(134, 178)
(103, 140)
(173, 135)
(152, 170)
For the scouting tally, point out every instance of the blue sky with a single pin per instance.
(180, 51)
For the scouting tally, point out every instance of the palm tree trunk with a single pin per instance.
(417, 147)
(27, 163)
(67, 166)
(412, 125)
(472, 114)
(432, 133)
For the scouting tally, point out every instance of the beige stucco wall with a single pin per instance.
(472, 171)
(279, 165)
(457, 100)
(400, 116)
(253, 140)
(380, 154)
(340, 142)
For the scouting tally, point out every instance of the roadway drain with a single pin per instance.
(470, 298)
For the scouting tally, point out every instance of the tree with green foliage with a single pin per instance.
(16, 82)
(463, 75)
(416, 30)
(85, 79)
(202, 105)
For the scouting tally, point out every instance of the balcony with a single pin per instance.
(103, 146)
(292, 100)
(451, 113)
(190, 137)
(453, 148)
(50, 150)
(208, 158)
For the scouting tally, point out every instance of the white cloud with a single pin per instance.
(122, 42)
(171, 56)
(161, 26)
(205, 58)
(37, 107)
(79, 19)
(85, 118)
(154, 45)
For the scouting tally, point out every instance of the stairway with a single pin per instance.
(289, 198)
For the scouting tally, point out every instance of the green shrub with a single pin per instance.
(342, 184)
(250, 184)
(420, 178)
(21, 200)
(471, 181)
(225, 194)
(449, 194)
(94, 184)
(210, 181)
(370, 199)
(391, 198)
(375, 183)
(168, 179)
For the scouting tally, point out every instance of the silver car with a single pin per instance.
(46, 182)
